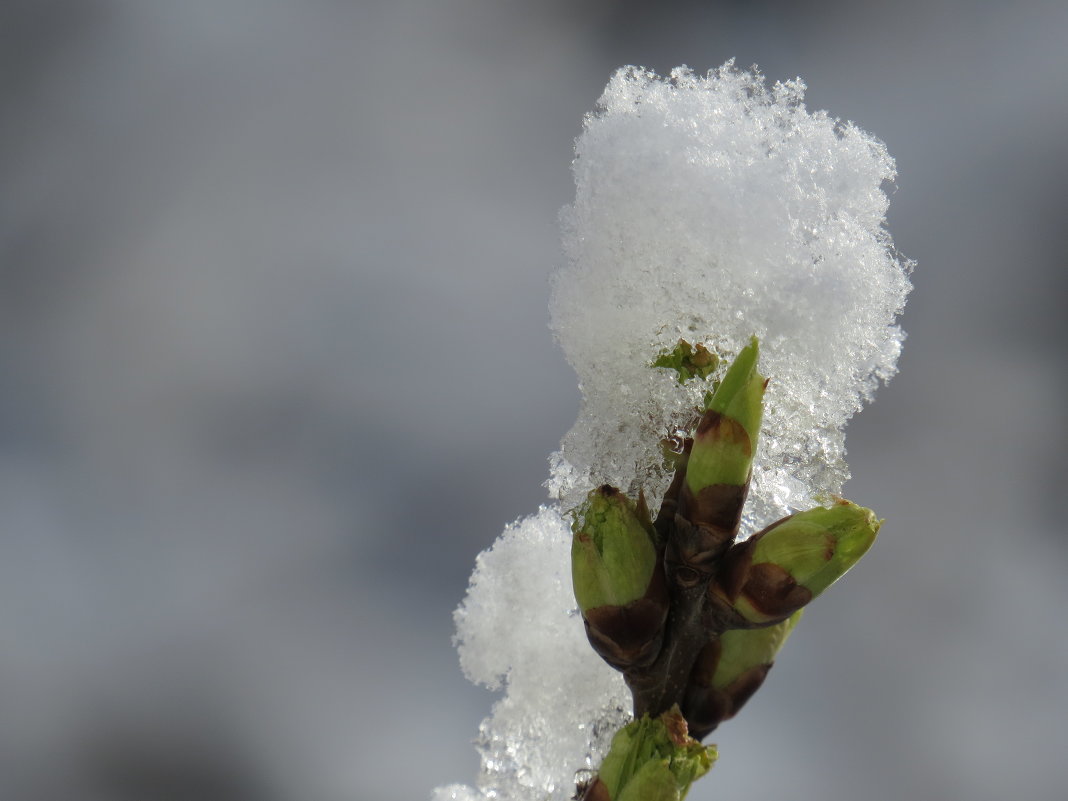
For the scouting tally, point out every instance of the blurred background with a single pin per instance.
(275, 366)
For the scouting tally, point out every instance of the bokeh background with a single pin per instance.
(274, 367)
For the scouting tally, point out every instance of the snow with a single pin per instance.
(712, 209)
(519, 626)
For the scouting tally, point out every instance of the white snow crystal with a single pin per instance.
(520, 625)
(710, 209)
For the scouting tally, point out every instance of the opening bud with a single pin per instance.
(651, 759)
(786, 565)
(688, 361)
(617, 573)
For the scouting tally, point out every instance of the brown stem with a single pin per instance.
(660, 686)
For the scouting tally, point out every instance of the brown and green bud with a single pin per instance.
(651, 759)
(728, 670)
(712, 485)
(726, 437)
(789, 563)
(617, 575)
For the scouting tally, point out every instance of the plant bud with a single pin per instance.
(688, 361)
(728, 671)
(776, 572)
(654, 781)
(618, 579)
(712, 491)
(651, 759)
(727, 434)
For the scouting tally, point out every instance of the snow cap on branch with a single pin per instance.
(711, 209)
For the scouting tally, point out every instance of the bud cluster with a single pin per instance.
(692, 618)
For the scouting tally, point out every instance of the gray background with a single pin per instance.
(274, 367)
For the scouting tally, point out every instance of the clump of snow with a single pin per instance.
(710, 209)
(519, 626)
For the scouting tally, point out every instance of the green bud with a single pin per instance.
(708, 492)
(727, 435)
(613, 554)
(728, 671)
(618, 580)
(740, 395)
(744, 649)
(653, 759)
(792, 561)
(688, 361)
(654, 781)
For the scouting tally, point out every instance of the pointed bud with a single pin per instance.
(728, 671)
(727, 434)
(618, 579)
(779, 570)
(712, 490)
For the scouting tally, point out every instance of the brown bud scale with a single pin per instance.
(595, 790)
(706, 707)
(717, 507)
(630, 635)
(773, 591)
